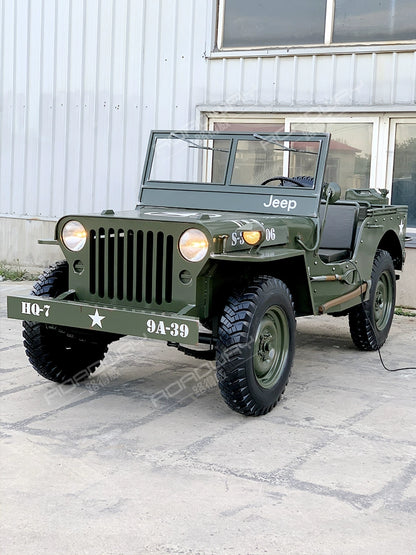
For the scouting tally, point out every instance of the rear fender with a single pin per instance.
(391, 243)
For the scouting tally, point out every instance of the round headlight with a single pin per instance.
(193, 245)
(74, 235)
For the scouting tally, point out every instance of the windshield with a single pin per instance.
(258, 160)
(182, 159)
(269, 173)
(268, 162)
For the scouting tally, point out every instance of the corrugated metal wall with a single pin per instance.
(338, 80)
(81, 84)
(83, 81)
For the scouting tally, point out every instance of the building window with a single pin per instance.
(374, 20)
(244, 24)
(349, 157)
(276, 22)
(404, 169)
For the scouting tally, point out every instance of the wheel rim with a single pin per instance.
(383, 301)
(271, 347)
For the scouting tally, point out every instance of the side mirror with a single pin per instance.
(332, 193)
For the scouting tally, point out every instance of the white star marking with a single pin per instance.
(96, 319)
(401, 226)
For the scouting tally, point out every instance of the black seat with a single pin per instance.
(338, 234)
(305, 180)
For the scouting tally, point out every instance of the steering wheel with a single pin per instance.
(281, 178)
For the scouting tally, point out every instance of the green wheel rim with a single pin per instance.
(271, 347)
(383, 301)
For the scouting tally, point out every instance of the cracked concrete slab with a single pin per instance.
(146, 458)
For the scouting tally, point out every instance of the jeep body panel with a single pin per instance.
(99, 317)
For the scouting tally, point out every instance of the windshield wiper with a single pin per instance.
(196, 145)
(282, 147)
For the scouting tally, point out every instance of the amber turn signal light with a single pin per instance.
(252, 237)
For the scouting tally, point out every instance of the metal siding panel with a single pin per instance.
(103, 113)
(247, 94)
(287, 71)
(20, 83)
(61, 94)
(383, 76)
(266, 73)
(303, 85)
(182, 82)
(166, 62)
(322, 81)
(363, 79)
(74, 112)
(41, 181)
(135, 142)
(150, 67)
(342, 81)
(405, 78)
(7, 105)
(32, 102)
(116, 105)
(215, 81)
(232, 78)
(89, 105)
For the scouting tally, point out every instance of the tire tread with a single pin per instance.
(59, 353)
(233, 332)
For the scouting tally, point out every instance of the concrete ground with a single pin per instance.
(146, 458)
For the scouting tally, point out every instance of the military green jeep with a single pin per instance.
(235, 235)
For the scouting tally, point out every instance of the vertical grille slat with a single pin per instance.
(130, 278)
(148, 282)
(120, 264)
(139, 267)
(101, 262)
(168, 268)
(159, 267)
(93, 247)
(131, 266)
(110, 265)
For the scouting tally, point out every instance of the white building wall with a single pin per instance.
(82, 82)
(357, 81)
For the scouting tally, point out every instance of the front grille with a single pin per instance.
(129, 265)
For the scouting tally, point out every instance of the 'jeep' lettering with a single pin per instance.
(284, 203)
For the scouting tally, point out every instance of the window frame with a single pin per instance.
(382, 148)
(391, 151)
(375, 121)
(328, 36)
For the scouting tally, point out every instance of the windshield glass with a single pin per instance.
(271, 173)
(182, 159)
(268, 161)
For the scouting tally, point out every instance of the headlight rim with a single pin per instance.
(204, 251)
(82, 240)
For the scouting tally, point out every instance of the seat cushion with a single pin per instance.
(333, 255)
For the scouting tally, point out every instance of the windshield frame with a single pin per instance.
(216, 196)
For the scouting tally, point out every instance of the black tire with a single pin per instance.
(61, 354)
(255, 346)
(370, 322)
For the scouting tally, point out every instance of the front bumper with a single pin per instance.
(167, 326)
